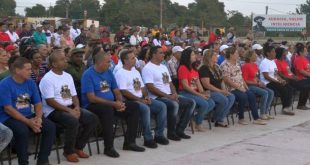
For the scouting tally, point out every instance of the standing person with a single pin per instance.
(61, 105)
(66, 41)
(132, 87)
(82, 38)
(26, 31)
(74, 31)
(56, 37)
(4, 37)
(12, 34)
(190, 87)
(16, 111)
(48, 33)
(173, 64)
(250, 75)
(101, 96)
(211, 78)
(270, 77)
(39, 37)
(158, 82)
(6, 136)
(157, 39)
(236, 85)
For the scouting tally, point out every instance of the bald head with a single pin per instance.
(55, 57)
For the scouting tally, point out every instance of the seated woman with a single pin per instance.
(211, 78)
(4, 70)
(270, 77)
(190, 87)
(233, 78)
(250, 75)
(302, 71)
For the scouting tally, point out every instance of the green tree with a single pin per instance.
(60, 8)
(7, 7)
(36, 11)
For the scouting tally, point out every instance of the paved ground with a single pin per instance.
(284, 140)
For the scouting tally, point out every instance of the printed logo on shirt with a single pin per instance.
(165, 78)
(136, 84)
(104, 86)
(23, 101)
(193, 82)
(65, 92)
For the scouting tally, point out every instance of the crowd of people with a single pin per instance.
(79, 80)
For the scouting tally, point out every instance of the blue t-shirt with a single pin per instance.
(19, 95)
(220, 59)
(101, 84)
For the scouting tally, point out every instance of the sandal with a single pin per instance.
(218, 124)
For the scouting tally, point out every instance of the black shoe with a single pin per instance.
(183, 135)
(161, 140)
(150, 143)
(111, 152)
(303, 107)
(174, 137)
(133, 147)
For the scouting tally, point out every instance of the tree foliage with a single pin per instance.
(36, 11)
(7, 7)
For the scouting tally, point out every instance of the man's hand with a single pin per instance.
(34, 125)
(174, 97)
(119, 106)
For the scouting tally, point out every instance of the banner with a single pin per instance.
(278, 23)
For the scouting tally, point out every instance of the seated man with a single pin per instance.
(101, 96)
(132, 87)
(19, 93)
(62, 106)
(158, 82)
(6, 136)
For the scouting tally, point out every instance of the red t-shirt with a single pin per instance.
(301, 63)
(283, 68)
(114, 58)
(4, 37)
(191, 76)
(249, 71)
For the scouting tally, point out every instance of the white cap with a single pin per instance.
(177, 49)
(223, 47)
(167, 43)
(39, 25)
(257, 47)
(79, 46)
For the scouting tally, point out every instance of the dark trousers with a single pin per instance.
(246, 97)
(21, 135)
(285, 92)
(106, 116)
(77, 131)
(304, 87)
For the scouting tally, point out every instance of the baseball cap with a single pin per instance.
(77, 50)
(177, 49)
(38, 25)
(223, 47)
(257, 47)
(167, 43)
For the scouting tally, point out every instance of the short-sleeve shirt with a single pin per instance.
(18, 95)
(270, 67)
(101, 84)
(157, 75)
(284, 68)
(249, 71)
(58, 87)
(215, 76)
(301, 63)
(130, 81)
(232, 71)
(191, 76)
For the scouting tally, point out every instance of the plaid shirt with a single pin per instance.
(173, 65)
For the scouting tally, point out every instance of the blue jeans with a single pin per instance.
(21, 136)
(5, 136)
(186, 105)
(223, 105)
(160, 110)
(246, 97)
(203, 106)
(266, 97)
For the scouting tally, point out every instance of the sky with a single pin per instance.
(246, 7)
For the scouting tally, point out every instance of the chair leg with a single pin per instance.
(97, 141)
(123, 127)
(274, 106)
(192, 125)
(115, 127)
(9, 154)
(209, 121)
(89, 149)
(57, 152)
(227, 118)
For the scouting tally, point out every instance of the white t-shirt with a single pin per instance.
(57, 38)
(14, 37)
(48, 34)
(130, 81)
(135, 40)
(157, 75)
(59, 87)
(268, 66)
(74, 33)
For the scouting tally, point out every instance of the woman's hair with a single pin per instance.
(144, 54)
(279, 53)
(248, 54)
(186, 58)
(207, 55)
(299, 47)
(267, 48)
(30, 53)
(229, 51)
(157, 35)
